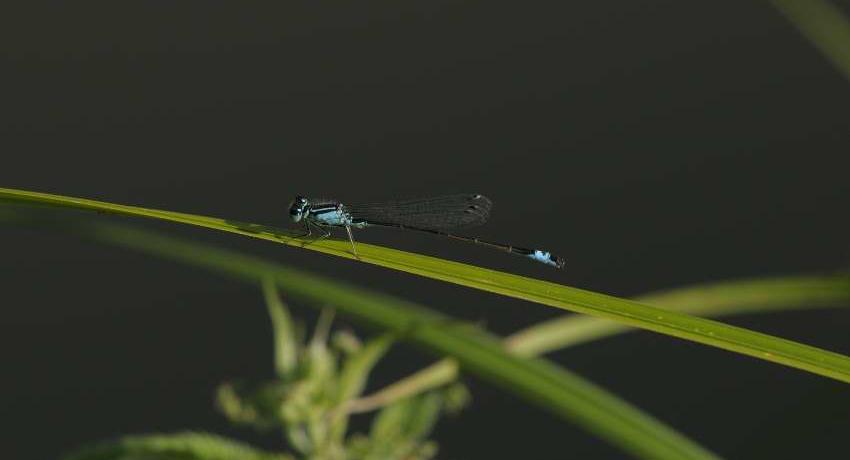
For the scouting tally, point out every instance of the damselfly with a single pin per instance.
(431, 215)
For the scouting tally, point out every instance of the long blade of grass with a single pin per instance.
(824, 25)
(628, 312)
(715, 299)
(538, 381)
(184, 446)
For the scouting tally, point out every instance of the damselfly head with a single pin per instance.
(298, 208)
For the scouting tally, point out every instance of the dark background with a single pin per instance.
(653, 144)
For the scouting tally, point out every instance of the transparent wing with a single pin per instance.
(437, 213)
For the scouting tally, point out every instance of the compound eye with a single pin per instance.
(295, 213)
(296, 208)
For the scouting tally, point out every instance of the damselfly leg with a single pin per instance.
(351, 238)
(308, 226)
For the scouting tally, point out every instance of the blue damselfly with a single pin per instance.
(430, 215)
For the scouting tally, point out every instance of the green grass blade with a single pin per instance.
(715, 299)
(624, 311)
(538, 381)
(824, 25)
(185, 446)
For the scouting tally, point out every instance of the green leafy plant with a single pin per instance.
(316, 380)
(313, 416)
(308, 401)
